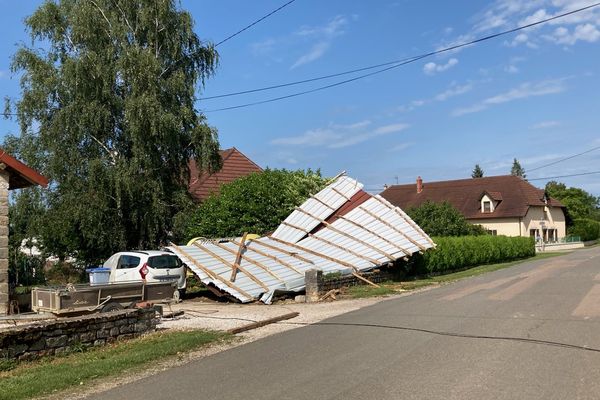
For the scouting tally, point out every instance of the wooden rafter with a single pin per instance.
(314, 253)
(251, 261)
(289, 253)
(347, 250)
(344, 218)
(271, 256)
(238, 257)
(403, 216)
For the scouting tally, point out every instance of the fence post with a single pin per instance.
(313, 280)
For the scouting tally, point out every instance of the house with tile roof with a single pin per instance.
(235, 165)
(503, 205)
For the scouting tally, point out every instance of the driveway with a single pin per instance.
(527, 332)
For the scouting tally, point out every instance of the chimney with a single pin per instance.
(419, 184)
(385, 186)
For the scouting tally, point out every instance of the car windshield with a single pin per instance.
(164, 262)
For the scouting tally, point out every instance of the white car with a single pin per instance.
(148, 265)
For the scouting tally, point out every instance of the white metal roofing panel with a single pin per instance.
(321, 205)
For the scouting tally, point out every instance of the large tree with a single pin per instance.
(107, 113)
(580, 204)
(517, 170)
(442, 219)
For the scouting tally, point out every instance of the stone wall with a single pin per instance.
(318, 284)
(4, 177)
(67, 334)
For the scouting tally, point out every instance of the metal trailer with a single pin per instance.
(85, 299)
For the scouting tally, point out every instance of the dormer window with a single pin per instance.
(487, 206)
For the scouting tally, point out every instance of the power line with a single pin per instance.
(254, 23)
(564, 159)
(394, 65)
(233, 34)
(564, 176)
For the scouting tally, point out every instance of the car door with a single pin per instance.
(127, 269)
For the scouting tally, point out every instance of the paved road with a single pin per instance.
(528, 332)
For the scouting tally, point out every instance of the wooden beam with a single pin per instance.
(347, 250)
(211, 274)
(271, 256)
(340, 193)
(258, 324)
(406, 252)
(238, 258)
(250, 260)
(314, 253)
(289, 253)
(230, 265)
(419, 245)
(362, 278)
(403, 216)
(327, 224)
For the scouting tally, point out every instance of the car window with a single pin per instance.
(164, 262)
(126, 261)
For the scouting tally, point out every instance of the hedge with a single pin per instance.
(586, 229)
(456, 253)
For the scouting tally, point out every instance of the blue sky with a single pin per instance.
(531, 95)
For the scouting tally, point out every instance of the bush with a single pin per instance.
(586, 229)
(256, 203)
(456, 253)
(442, 219)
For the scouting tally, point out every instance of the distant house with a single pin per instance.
(235, 165)
(503, 205)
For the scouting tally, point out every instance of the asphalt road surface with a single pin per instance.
(527, 332)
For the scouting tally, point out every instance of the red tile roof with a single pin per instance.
(515, 195)
(235, 165)
(21, 175)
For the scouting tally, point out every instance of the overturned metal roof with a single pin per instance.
(340, 229)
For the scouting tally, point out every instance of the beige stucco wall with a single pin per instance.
(554, 219)
(504, 226)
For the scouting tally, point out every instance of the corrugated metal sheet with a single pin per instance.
(369, 234)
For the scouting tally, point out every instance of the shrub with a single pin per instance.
(586, 229)
(455, 253)
(442, 219)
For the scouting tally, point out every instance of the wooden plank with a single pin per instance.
(250, 260)
(289, 253)
(340, 193)
(314, 197)
(344, 218)
(264, 322)
(347, 250)
(419, 245)
(403, 216)
(238, 258)
(271, 256)
(362, 278)
(295, 227)
(314, 253)
(327, 224)
(211, 274)
(224, 261)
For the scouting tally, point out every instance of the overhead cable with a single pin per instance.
(563, 159)
(394, 65)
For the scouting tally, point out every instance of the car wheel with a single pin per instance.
(111, 307)
(177, 295)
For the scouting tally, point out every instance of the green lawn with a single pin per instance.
(45, 376)
(391, 287)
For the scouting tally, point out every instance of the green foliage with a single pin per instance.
(477, 172)
(586, 229)
(580, 204)
(107, 113)
(256, 203)
(517, 170)
(442, 219)
(454, 253)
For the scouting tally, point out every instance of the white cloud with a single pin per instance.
(545, 125)
(454, 90)
(431, 68)
(323, 35)
(586, 33)
(339, 136)
(315, 53)
(399, 147)
(523, 91)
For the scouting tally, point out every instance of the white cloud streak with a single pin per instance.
(432, 68)
(523, 91)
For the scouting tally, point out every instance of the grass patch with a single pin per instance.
(363, 291)
(51, 375)
(417, 283)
